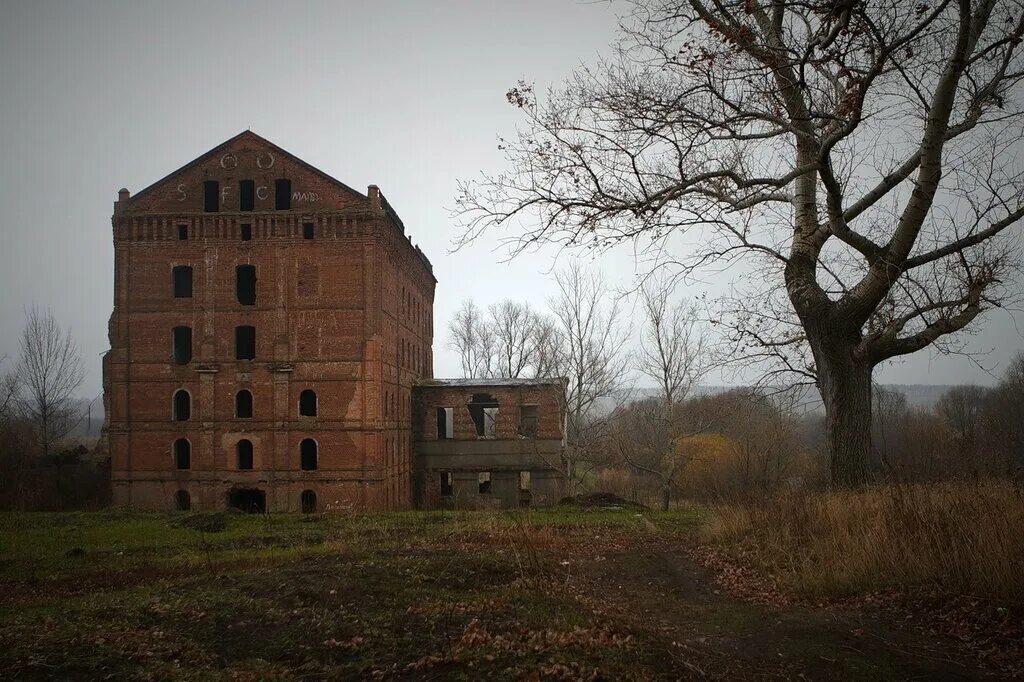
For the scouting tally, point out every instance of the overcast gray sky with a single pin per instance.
(406, 95)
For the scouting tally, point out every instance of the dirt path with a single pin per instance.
(705, 633)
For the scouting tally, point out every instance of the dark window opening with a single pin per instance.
(243, 404)
(245, 284)
(308, 454)
(182, 341)
(483, 408)
(248, 500)
(182, 406)
(211, 196)
(182, 232)
(246, 232)
(282, 194)
(447, 484)
(246, 195)
(245, 343)
(307, 403)
(308, 501)
(182, 501)
(243, 450)
(307, 230)
(182, 454)
(528, 420)
(445, 427)
(484, 483)
(181, 279)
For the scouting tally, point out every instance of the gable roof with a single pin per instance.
(257, 138)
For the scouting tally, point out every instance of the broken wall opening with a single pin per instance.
(248, 500)
(483, 409)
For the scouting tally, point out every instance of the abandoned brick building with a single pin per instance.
(271, 349)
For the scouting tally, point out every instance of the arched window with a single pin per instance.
(307, 403)
(182, 406)
(308, 499)
(182, 501)
(308, 454)
(244, 452)
(243, 404)
(182, 454)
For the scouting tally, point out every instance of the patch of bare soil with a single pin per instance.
(708, 630)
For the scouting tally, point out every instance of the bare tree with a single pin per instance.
(49, 371)
(1004, 421)
(861, 155)
(961, 407)
(471, 338)
(672, 354)
(513, 327)
(9, 389)
(593, 361)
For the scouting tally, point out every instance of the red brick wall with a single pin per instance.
(332, 314)
(548, 399)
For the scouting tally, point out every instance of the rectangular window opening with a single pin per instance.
(524, 481)
(307, 230)
(245, 284)
(484, 483)
(245, 343)
(246, 195)
(181, 277)
(445, 426)
(182, 232)
(246, 232)
(211, 196)
(282, 194)
(447, 484)
(528, 421)
(182, 345)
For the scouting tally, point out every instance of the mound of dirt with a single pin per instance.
(599, 500)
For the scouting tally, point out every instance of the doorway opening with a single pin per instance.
(248, 500)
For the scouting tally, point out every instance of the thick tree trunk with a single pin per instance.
(845, 386)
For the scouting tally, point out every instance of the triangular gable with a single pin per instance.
(246, 156)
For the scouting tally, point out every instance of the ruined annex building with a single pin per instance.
(271, 349)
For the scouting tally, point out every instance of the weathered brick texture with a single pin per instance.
(348, 314)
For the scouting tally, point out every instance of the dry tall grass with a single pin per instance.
(964, 539)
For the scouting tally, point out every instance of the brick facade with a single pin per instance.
(347, 313)
(518, 452)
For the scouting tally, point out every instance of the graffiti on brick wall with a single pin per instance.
(264, 160)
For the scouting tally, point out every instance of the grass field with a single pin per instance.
(561, 594)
